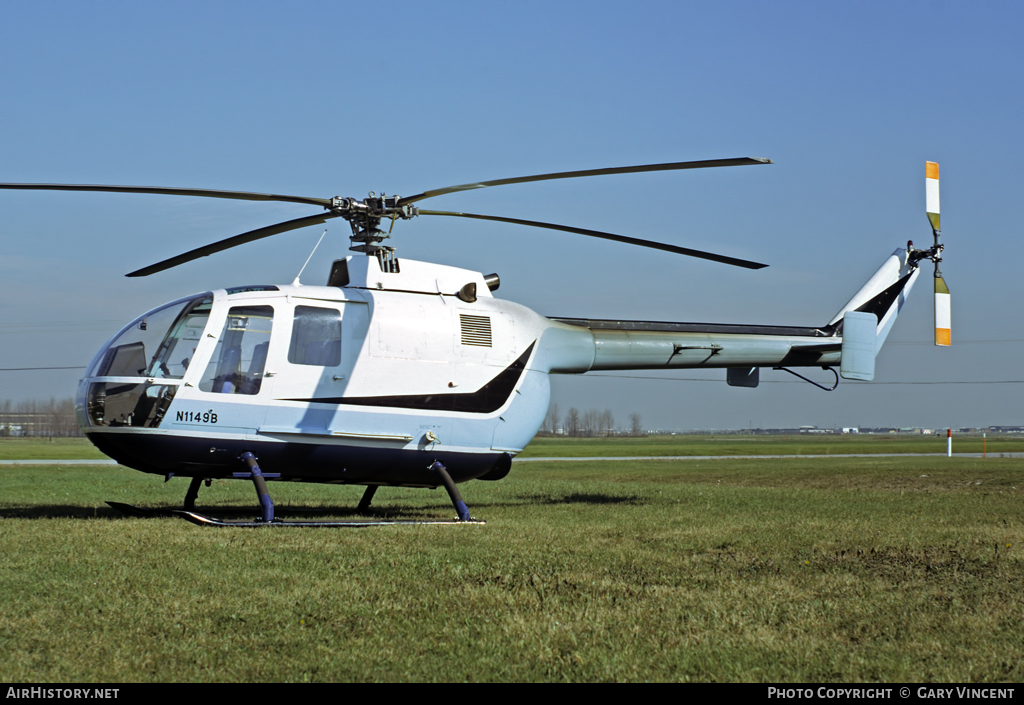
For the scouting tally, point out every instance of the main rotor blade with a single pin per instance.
(204, 192)
(233, 242)
(707, 163)
(609, 236)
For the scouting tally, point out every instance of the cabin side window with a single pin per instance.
(240, 357)
(158, 344)
(172, 358)
(316, 337)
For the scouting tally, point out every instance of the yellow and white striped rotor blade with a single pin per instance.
(943, 313)
(931, 193)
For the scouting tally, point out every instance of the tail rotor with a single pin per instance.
(943, 309)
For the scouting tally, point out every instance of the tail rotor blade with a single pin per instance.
(942, 311)
(931, 193)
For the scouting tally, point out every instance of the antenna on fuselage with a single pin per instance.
(297, 282)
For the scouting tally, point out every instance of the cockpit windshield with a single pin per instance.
(159, 344)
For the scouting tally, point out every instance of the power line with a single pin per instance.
(958, 342)
(25, 369)
(36, 326)
(719, 381)
(994, 381)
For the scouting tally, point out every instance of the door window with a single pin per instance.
(238, 361)
(316, 337)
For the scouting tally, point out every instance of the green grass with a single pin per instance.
(48, 449)
(852, 569)
(809, 444)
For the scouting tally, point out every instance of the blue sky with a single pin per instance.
(324, 99)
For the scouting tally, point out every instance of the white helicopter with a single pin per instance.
(410, 374)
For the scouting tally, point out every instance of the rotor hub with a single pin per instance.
(365, 216)
(933, 253)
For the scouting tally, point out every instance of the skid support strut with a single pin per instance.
(364, 503)
(261, 486)
(192, 494)
(453, 491)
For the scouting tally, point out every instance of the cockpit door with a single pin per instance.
(238, 365)
(231, 388)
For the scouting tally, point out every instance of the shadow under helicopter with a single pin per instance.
(396, 512)
(104, 512)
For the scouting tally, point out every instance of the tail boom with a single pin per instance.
(650, 345)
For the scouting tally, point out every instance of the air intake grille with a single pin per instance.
(476, 330)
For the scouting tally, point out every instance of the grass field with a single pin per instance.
(846, 569)
(732, 444)
(48, 448)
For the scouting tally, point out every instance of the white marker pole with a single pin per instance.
(949, 443)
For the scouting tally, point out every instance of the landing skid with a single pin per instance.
(255, 474)
(203, 520)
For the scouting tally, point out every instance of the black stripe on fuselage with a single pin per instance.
(488, 399)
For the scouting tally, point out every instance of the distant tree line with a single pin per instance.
(38, 418)
(55, 418)
(587, 424)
